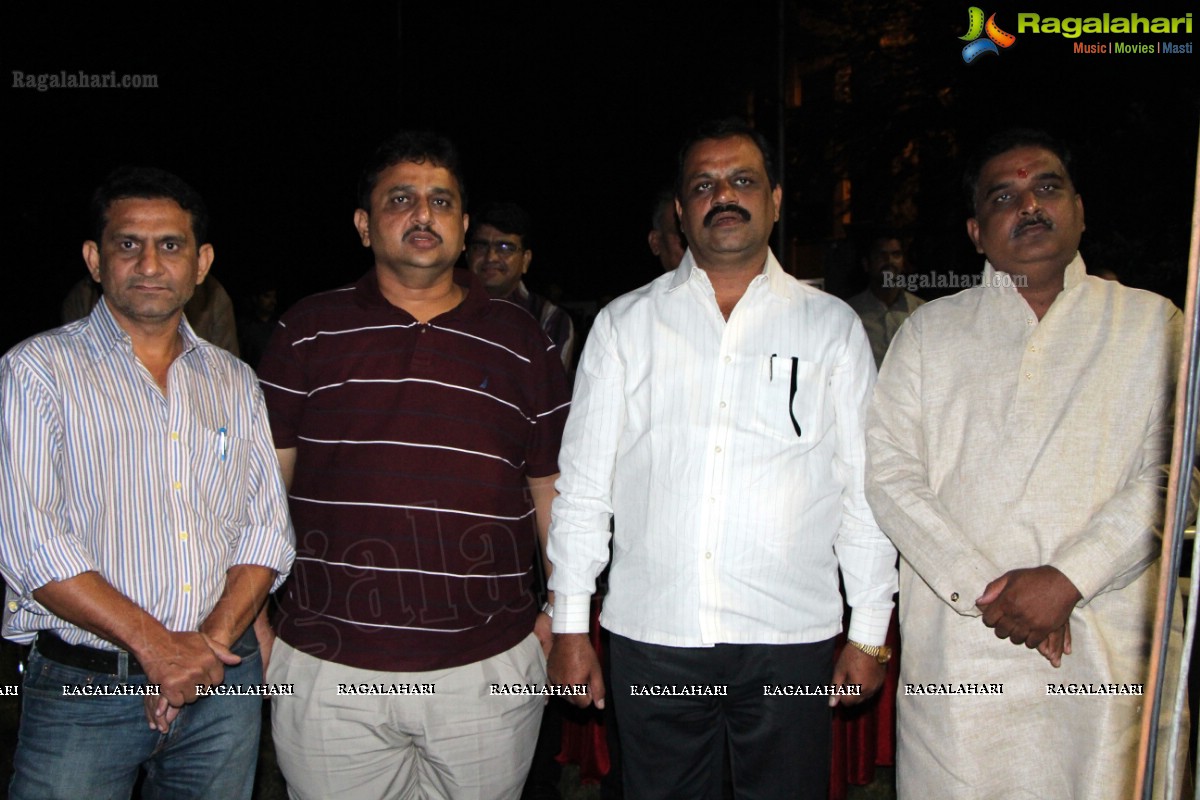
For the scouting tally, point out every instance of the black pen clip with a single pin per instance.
(792, 398)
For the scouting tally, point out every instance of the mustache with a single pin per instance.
(422, 229)
(736, 209)
(1038, 218)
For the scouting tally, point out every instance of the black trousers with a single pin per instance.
(673, 746)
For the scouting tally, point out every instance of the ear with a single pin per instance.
(525, 259)
(1079, 205)
(466, 227)
(973, 235)
(91, 257)
(777, 198)
(205, 259)
(362, 224)
(655, 241)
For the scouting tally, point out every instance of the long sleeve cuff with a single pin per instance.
(572, 613)
(869, 625)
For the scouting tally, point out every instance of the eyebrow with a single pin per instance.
(170, 237)
(408, 187)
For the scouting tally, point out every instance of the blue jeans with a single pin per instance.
(73, 747)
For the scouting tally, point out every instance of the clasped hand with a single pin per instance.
(1032, 607)
(187, 661)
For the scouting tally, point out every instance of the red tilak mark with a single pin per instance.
(1022, 173)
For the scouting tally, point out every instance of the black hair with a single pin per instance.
(415, 146)
(147, 183)
(662, 201)
(508, 218)
(724, 129)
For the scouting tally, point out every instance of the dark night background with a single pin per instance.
(575, 110)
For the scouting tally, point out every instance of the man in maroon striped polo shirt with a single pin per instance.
(418, 424)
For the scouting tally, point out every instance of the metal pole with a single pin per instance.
(1187, 395)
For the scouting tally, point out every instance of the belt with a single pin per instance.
(83, 657)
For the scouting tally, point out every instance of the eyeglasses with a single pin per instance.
(480, 247)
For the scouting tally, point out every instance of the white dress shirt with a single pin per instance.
(731, 453)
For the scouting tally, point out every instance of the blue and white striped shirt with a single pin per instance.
(160, 494)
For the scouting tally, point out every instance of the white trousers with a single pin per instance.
(460, 742)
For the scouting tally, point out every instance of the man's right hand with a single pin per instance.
(182, 661)
(573, 662)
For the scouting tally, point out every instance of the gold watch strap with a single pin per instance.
(880, 652)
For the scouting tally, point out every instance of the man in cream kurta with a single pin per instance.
(1017, 444)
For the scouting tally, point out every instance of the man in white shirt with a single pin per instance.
(885, 303)
(1017, 442)
(718, 416)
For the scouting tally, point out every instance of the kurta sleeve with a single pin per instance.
(1123, 536)
(898, 486)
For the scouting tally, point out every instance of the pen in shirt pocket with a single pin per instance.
(771, 367)
(223, 442)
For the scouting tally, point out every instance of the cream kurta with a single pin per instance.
(997, 441)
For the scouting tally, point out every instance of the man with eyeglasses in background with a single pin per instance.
(499, 253)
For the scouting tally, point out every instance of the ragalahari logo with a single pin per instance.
(996, 38)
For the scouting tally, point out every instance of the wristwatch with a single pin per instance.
(880, 652)
(548, 610)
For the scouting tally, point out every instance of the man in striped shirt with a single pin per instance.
(419, 421)
(142, 522)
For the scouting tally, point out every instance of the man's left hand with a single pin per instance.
(1027, 605)
(856, 668)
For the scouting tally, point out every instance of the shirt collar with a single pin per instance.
(772, 273)
(1075, 273)
(368, 295)
(107, 333)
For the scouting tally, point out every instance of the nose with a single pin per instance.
(1030, 202)
(149, 262)
(423, 211)
(725, 192)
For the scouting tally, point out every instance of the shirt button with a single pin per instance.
(12, 605)
(187, 587)
(174, 436)
(728, 359)
(708, 555)
(717, 448)
(1028, 376)
(183, 536)
(1032, 349)
(954, 597)
(176, 485)
(722, 404)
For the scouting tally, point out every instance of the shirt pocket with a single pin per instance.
(792, 401)
(220, 469)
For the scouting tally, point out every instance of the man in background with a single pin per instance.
(885, 303)
(499, 252)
